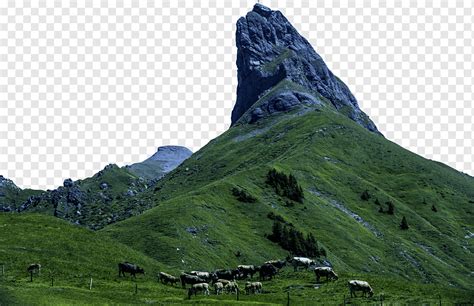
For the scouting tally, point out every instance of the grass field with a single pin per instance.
(72, 256)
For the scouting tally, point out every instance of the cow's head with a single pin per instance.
(334, 275)
(140, 270)
(371, 292)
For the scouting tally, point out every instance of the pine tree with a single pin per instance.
(391, 208)
(277, 231)
(404, 224)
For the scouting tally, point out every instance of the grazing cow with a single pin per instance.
(227, 274)
(301, 262)
(267, 271)
(166, 278)
(232, 287)
(247, 270)
(129, 268)
(34, 268)
(204, 275)
(277, 263)
(223, 281)
(325, 271)
(190, 279)
(255, 287)
(358, 285)
(201, 287)
(218, 287)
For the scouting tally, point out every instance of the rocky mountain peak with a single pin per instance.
(170, 153)
(166, 159)
(269, 51)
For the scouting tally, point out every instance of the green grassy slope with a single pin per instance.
(198, 224)
(74, 255)
(71, 253)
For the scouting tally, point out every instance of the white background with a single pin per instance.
(84, 84)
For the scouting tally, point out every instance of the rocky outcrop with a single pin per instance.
(269, 51)
(165, 160)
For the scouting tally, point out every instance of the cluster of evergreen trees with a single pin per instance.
(294, 241)
(243, 196)
(285, 185)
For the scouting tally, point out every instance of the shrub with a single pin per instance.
(404, 224)
(433, 208)
(243, 196)
(365, 196)
(285, 185)
(381, 209)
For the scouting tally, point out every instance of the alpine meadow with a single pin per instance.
(302, 201)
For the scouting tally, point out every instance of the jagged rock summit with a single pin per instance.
(279, 70)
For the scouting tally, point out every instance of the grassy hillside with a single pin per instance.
(70, 253)
(73, 255)
(199, 224)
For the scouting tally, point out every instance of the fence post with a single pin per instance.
(52, 281)
(238, 291)
(288, 298)
(344, 302)
(136, 288)
(439, 300)
(381, 300)
(90, 284)
(31, 276)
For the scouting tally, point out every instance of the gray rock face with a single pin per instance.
(166, 159)
(270, 50)
(171, 156)
(68, 183)
(7, 183)
(282, 102)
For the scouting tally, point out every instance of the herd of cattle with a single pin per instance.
(225, 281)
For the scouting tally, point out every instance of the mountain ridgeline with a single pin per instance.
(111, 195)
(302, 171)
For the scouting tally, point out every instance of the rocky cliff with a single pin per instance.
(166, 159)
(271, 52)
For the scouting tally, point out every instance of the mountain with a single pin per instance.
(301, 171)
(166, 159)
(279, 70)
(357, 185)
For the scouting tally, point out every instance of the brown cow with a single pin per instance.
(166, 278)
(325, 271)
